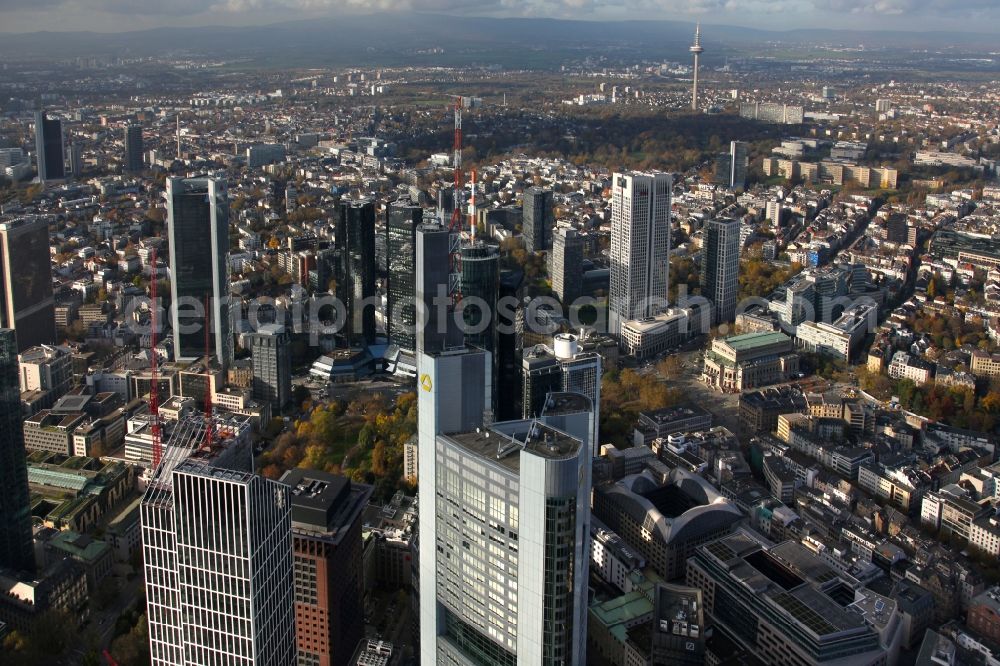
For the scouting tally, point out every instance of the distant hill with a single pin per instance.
(399, 38)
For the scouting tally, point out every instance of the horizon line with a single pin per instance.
(244, 26)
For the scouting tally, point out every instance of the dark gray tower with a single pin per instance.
(401, 248)
(567, 265)
(133, 148)
(49, 154)
(356, 283)
(272, 365)
(538, 219)
(480, 290)
(436, 329)
(198, 231)
(15, 506)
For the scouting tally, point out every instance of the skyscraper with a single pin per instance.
(720, 265)
(356, 283)
(437, 332)
(537, 219)
(28, 306)
(731, 167)
(480, 280)
(49, 153)
(76, 159)
(510, 340)
(564, 368)
(401, 248)
(198, 232)
(696, 50)
(329, 578)
(567, 265)
(640, 247)
(272, 365)
(217, 552)
(133, 148)
(503, 571)
(15, 507)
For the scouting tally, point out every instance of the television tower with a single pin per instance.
(697, 49)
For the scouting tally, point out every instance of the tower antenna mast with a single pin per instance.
(697, 49)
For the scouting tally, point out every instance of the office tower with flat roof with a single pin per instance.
(217, 551)
(133, 149)
(567, 265)
(436, 330)
(16, 550)
(505, 581)
(640, 247)
(720, 265)
(28, 305)
(198, 233)
(537, 219)
(480, 291)
(731, 167)
(271, 354)
(50, 156)
(76, 159)
(401, 248)
(355, 237)
(327, 551)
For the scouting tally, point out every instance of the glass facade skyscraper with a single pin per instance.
(198, 232)
(133, 148)
(217, 553)
(537, 219)
(480, 280)
(720, 265)
(401, 248)
(28, 305)
(15, 507)
(356, 282)
(49, 152)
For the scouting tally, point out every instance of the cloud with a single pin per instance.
(735, 10)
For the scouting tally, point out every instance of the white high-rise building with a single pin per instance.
(504, 538)
(640, 247)
(217, 553)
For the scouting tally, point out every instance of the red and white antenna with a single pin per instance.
(154, 384)
(455, 241)
(472, 207)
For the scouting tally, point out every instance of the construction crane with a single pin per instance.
(455, 239)
(209, 430)
(154, 382)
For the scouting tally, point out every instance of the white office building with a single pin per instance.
(217, 553)
(640, 247)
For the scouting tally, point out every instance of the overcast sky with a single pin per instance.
(120, 15)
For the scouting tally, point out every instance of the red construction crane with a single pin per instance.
(208, 378)
(154, 383)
